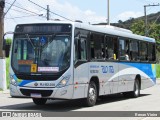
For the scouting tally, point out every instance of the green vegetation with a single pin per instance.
(153, 29)
(158, 70)
(8, 41)
(7, 72)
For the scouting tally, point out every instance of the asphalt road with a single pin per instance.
(148, 101)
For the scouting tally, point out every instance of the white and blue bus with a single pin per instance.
(73, 60)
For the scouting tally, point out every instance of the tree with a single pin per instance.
(8, 41)
(120, 21)
(153, 29)
(138, 27)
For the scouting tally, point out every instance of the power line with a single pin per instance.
(154, 23)
(13, 18)
(24, 9)
(9, 7)
(21, 11)
(50, 11)
(145, 14)
(21, 17)
(24, 12)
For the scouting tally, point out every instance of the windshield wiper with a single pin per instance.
(30, 40)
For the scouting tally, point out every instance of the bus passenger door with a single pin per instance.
(80, 68)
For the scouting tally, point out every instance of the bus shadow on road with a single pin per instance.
(63, 105)
(115, 98)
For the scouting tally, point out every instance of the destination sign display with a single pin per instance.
(43, 28)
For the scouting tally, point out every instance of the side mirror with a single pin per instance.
(6, 46)
(7, 50)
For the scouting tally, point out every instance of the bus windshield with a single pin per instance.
(41, 53)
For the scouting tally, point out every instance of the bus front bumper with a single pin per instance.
(50, 93)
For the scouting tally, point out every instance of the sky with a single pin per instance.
(88, 11)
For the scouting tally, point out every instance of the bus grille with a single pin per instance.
(44, 93)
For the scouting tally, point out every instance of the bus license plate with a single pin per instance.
(36, 95)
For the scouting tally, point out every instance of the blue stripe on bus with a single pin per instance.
(149, 69)
(24, 82)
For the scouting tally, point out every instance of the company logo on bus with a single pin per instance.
(36, 84)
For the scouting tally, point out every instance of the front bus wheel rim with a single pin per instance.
(92, 94)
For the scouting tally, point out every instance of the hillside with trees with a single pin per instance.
(152, 18)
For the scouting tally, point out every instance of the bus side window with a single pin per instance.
(112, 48)
(97, 46)
(124, 50)
(81, 51)
(103, 47)
(151, 52)
(116, 51)
(154, 53)
(134, 56)
(106, 48)
(143, 51)
(92, 50)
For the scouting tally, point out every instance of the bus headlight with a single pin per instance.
(13, 82)
(63, 82)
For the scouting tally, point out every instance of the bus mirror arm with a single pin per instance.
(4, 44)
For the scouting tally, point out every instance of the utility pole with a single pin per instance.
(145, 14)
(48, 12)
(108, 19)
(2, 55)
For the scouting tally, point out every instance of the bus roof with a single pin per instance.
(110, 30)
(120, 32)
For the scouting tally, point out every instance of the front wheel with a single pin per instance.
(39, 101)
(91, 95)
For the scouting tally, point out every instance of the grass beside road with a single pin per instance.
(7, 71)
(158, 70)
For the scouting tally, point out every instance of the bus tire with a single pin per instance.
(91, 95)
(136, 92)
(39, 101)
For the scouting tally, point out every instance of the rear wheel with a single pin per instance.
(136, 92)
(39, 101)
(91, 95)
